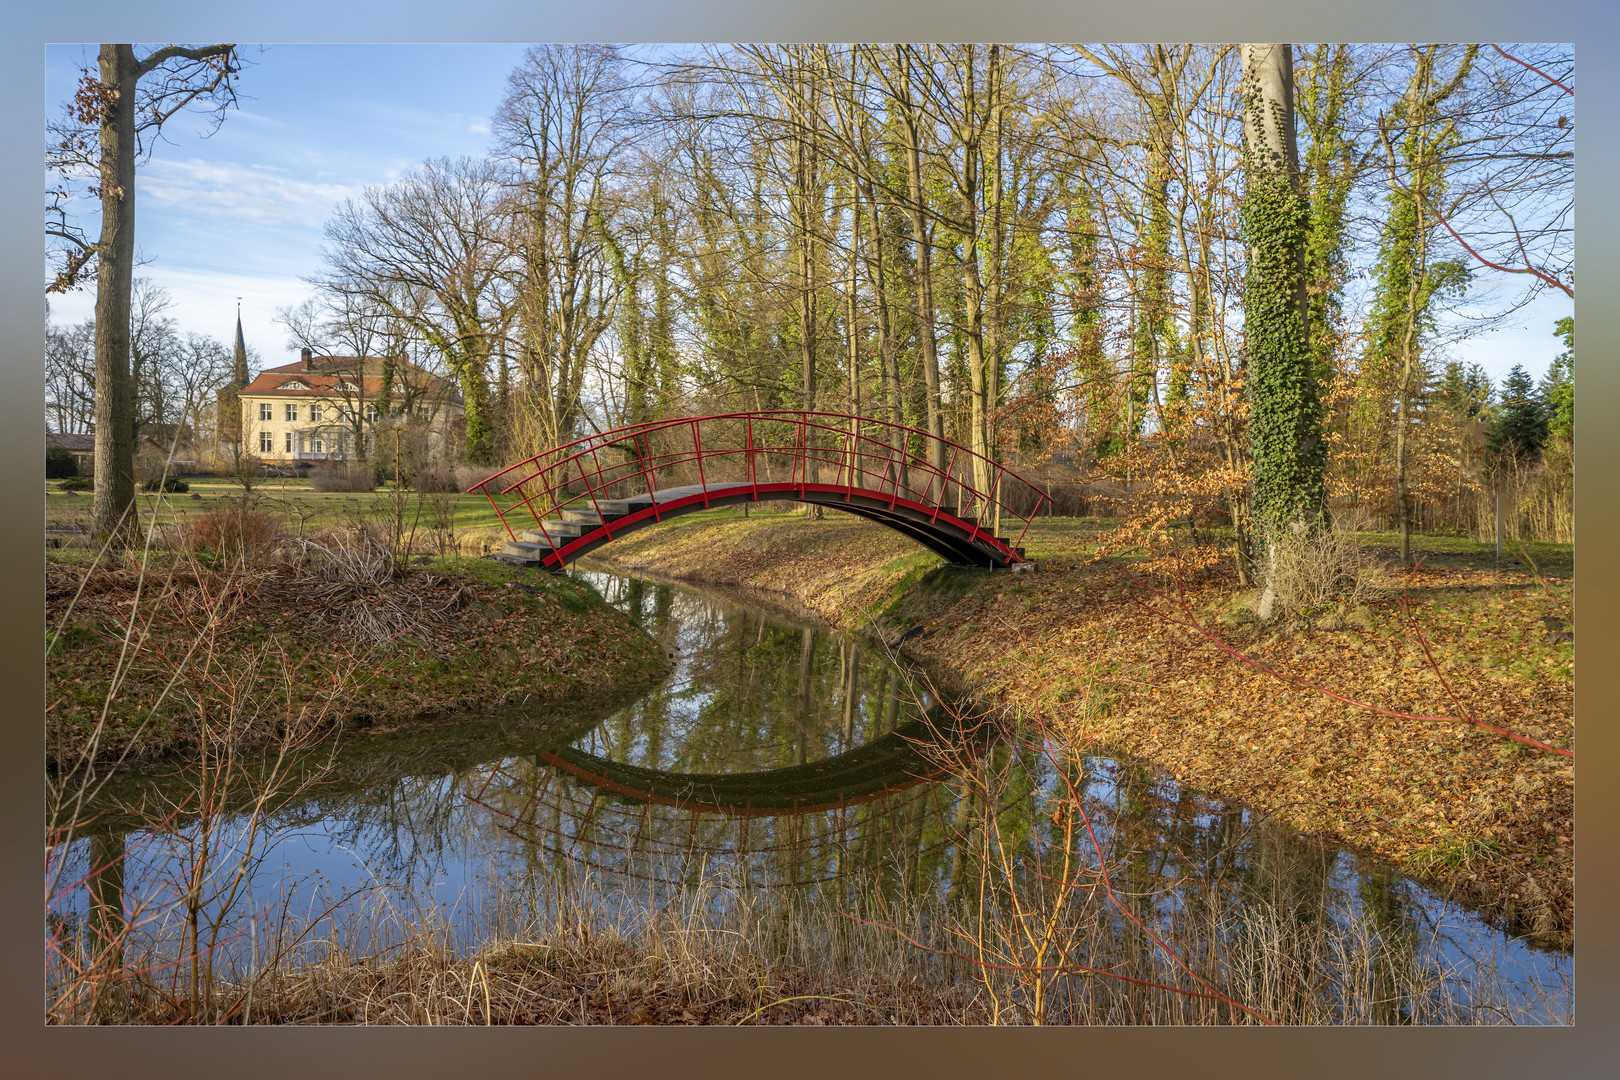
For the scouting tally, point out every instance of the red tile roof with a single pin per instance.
(323, 374)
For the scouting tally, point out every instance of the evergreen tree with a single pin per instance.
(1465, 389)
(1520, 427)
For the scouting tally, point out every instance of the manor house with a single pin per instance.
(318, 408)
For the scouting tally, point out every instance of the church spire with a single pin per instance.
(239, 373)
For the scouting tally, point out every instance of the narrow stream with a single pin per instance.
(778, 757)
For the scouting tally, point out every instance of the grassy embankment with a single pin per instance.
(1106, 665)
(316, 620)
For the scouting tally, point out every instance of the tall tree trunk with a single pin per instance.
(993, 325)
(115, 400)
(1285, 420)
(806, 189)
(854, 287)
(1153, 320)
(969, 190)
(916, 208)
(888, 353)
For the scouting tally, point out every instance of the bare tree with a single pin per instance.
(562, 126)
(431, 252)
(111, 124)
(70, 377)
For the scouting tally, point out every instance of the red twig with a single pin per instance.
(1441, 218)
(1535, 69)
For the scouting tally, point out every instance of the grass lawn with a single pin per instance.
(300, 509)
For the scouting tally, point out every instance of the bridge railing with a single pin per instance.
(803, 451)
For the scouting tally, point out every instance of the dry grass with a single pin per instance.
(1046, 925)
(1019, 945)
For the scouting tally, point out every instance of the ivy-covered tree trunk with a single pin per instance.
(1285, 421)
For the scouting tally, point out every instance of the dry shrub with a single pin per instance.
(1312, 570)
(342, 476)
(237, 530)
(348, 555)
(436, 479)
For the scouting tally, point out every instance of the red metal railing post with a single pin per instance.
(893, 476)
(849, 467)
(1039, 495)
(748, 442)
(601, 518)
(497, 509)
(697, 449)
(641, 459)
(945, 486)
(525, 497)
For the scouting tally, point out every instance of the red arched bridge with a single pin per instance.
(558, 505)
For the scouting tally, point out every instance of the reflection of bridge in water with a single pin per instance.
(884, 807)
(907, 756)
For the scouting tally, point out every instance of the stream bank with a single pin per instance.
(1077, 645)
(185, 657)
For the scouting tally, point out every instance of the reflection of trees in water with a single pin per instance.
(750, 691)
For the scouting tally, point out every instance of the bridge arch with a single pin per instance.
(558, 505)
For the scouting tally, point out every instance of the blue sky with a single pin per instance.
(239, 213)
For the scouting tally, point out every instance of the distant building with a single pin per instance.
(317, 409)
(82, 447)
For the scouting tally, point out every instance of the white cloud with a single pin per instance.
(205, 302)
(261, 194)
(478, 127)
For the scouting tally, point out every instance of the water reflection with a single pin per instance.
(784, 757)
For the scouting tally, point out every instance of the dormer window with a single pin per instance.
(291, 386)
(349, 387)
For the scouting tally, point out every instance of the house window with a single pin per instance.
(314, 414)
(264, 410)
(371, 414)
(264, 442)
(343, 445)
(292, 414)
(421, 410)
(318, 445)
(290, 438)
